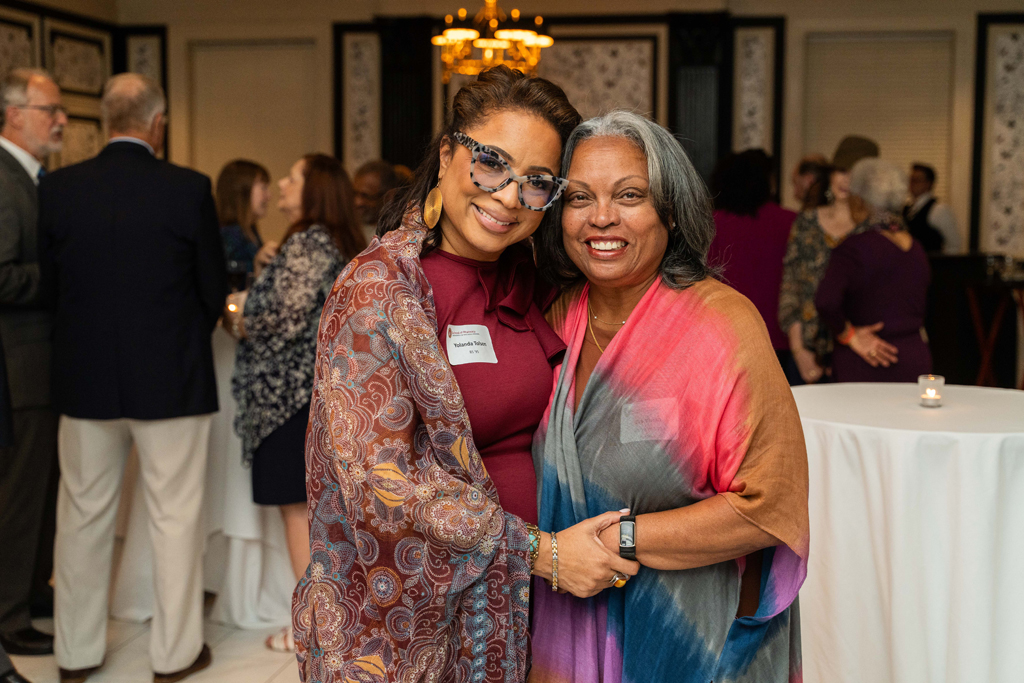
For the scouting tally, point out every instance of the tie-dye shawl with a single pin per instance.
(416, 573)
(687, 402)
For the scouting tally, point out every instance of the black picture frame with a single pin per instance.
(338, 78)
(778, 23)
(105, 52)
(121, 47)
(985, 22)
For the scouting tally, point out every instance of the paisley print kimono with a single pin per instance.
(417, 574)
(687, 402)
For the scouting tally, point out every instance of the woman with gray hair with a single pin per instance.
(671, 406)
(873, 295)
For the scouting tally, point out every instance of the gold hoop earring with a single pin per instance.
(432, 207)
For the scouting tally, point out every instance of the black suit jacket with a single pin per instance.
(24, 325)
(133, 266)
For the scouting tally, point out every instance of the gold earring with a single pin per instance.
(432, 207)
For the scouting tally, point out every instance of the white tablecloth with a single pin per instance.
(916, 570)
(246, 561)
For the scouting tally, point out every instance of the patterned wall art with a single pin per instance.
(603, 73)
(145, 55)
(753, 89)
(360, 98)
(83, 139)
(998, 220)
(78, 57)
(19, 40)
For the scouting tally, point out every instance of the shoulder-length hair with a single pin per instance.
(234, 193)
(495, 90)
(678, 192)
(328, 200)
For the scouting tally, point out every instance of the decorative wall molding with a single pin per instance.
(360, 99)
(997, 224)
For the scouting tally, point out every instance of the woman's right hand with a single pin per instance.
(585, 565)
(807, 364)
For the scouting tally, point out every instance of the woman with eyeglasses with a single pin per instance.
(422, 530)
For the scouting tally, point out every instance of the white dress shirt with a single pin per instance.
(942, 219)
(29, 162)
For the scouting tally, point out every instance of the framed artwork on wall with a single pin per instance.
(19, 40)
(758, 65)
(79, 57)
(997, 199)
(142, 50)
(602, 72)
(83, 139)
(357, 94)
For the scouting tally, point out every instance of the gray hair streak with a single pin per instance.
(678, 192)
(130, 102)
(881, 184)
(14, 88)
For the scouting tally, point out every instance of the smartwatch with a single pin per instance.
(627, 537)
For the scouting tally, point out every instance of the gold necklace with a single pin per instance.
(590, 310)
(590, 326)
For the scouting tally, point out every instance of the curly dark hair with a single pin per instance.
(494, 90)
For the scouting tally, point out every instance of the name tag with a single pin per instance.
(470, 344)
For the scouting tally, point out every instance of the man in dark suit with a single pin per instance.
(8, 674)
(133, 266)
(31, 128)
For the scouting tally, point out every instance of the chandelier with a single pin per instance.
(464, 51)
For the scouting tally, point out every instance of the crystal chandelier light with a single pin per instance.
(464, 51)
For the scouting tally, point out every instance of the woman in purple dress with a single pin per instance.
(873, 294)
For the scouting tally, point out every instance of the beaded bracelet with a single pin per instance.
(534, 534)
(554, 562)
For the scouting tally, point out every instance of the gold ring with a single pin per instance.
(620, 583)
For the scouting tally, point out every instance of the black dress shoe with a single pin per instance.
(27, 641)
(77, 675)
(202, 661)
(13, 676)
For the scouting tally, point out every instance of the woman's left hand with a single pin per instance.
(873, 349)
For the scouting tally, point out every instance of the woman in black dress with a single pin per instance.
(273, 378)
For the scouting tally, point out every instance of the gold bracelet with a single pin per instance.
(534, 536)
(554, 562)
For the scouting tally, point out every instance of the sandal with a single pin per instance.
(282, 641)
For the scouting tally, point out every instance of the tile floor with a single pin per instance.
(239, 656)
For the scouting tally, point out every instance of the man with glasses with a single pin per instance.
(32, 124)
(372, 183)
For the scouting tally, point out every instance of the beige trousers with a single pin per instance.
(172, 463)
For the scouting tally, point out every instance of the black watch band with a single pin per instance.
(627, 537)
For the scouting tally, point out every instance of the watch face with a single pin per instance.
(627, 531)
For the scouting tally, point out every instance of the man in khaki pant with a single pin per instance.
(133, 267)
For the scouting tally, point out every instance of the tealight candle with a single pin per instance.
(931, 390)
